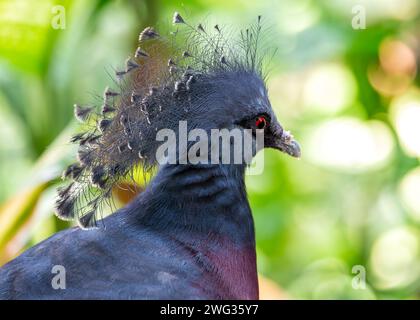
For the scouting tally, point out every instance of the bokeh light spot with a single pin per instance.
(329, 88)
(409, 190)
(397, 58)
(397, 68)
(350, 144)
(394, 258)
(406, 118)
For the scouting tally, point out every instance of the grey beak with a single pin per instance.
(289, 145)
(283, 141)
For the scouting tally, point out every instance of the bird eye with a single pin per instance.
(261, 122)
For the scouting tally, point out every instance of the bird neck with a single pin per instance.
(204, 208)
(204, 198)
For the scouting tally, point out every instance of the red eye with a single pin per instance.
(261, 122)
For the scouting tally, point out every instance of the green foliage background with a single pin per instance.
(350, 202)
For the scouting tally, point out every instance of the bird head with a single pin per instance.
(197, 77)
(240, 101)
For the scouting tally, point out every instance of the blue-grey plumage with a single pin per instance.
(190, 234)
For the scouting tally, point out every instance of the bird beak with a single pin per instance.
(288, 144)
(283, 141)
